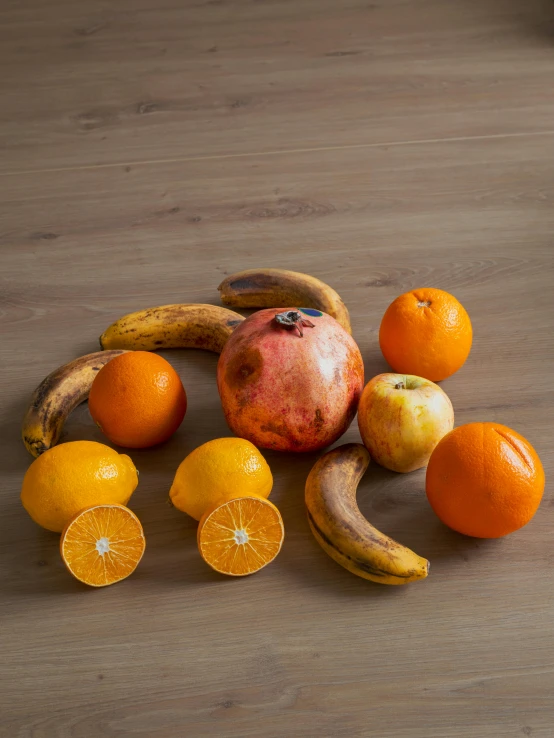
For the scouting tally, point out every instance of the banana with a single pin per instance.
(172, 326)
(55, 398)
(343, 532)
(261, 288)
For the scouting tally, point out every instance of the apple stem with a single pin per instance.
(400, 385)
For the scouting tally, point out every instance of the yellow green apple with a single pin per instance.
(402, 418)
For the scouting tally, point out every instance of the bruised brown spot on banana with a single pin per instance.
(190, 325)
(56, 397)
(262, 288)
(342, 531)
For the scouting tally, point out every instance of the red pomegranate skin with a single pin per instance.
(286, 392)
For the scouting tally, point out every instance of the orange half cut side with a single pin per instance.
(102, 544)
(241, 536)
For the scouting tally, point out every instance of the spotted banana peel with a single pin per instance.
(343, 532)
(263, 288)
(56, 397)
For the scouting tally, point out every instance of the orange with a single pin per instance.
(102, 544)
(71, 476)
(241, 536)
(484, 480)
(426, 332)
(137, 399)
(218, 470)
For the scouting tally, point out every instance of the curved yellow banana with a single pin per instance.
(261, 288)
(55, 398)
(172, 326)
(343, 532)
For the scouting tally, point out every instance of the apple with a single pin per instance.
(402, 418)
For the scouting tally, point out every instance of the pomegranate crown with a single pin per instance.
(296, 319)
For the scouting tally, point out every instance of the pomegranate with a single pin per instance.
(290, 379)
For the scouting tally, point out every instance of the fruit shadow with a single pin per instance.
(395, 504)
(14, 457)
(301, 556)
(537, 20)
(171, 554)
(374, 364)
(32, 567)
(30, 555)
(171, 557)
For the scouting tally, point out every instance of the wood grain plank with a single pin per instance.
(150, 151)
(302, 646)
(96, 84)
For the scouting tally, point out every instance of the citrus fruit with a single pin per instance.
(484, 480)
(137, 399)
(426, 332)
(102, 544)
(240, 536)
(69, 477)
(218, 470)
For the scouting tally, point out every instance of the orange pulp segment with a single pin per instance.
(241, 536)
(102, 544)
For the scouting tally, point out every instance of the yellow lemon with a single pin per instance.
(221, 469)
(69, 477)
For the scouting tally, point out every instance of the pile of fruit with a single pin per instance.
(290, 379)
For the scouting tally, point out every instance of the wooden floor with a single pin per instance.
(149, 149)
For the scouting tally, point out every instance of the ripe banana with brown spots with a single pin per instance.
(263, 288)
(172, 326)
(343, 532)
(55, 398)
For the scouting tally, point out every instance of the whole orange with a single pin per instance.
(137, 399)
(426, 332)
(484, 480)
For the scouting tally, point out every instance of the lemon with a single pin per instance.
(221, 469)
(72, 476)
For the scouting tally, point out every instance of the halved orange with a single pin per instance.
(241, 536)
(102, 544)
